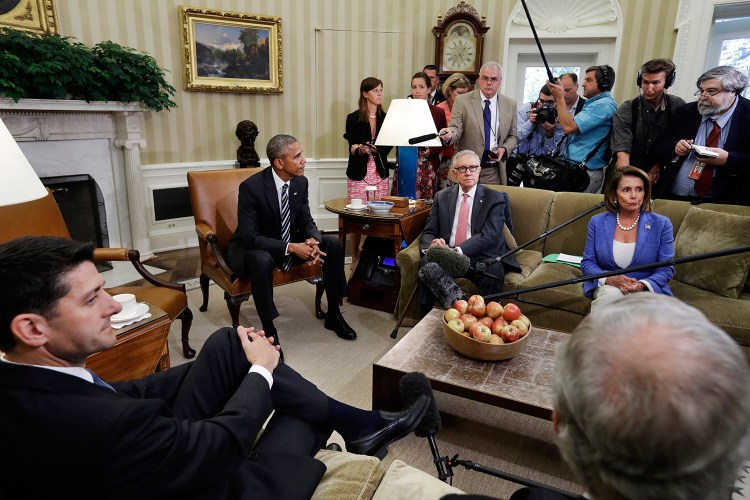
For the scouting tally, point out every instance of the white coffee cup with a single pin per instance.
(356, 202)
(128, 303)
(371, 192)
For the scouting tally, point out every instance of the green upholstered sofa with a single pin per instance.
(536, 211)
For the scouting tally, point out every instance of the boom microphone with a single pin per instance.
(442, 286)
(454, 263)
(422, 138)
(412, 386)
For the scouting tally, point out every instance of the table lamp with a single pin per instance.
(408, 120)
(18, 181)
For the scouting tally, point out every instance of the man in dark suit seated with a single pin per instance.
(188, 432)
(468, 218)
(270, 237)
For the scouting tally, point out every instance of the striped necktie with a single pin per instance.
(287, 264)
(100, 382)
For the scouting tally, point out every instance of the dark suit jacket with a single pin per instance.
(64, 437)
(358, 132)
(654, 243)
(732, 180)
(487, 219)
(259, 218)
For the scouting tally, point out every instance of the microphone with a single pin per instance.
(412, 386)
(422, 138)
(457, 265)
(454, 263)
(442, 286)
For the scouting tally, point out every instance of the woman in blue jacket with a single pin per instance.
(629, 234)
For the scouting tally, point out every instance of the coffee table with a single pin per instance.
(522, 384)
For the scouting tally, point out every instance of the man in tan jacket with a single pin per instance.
(484, 121)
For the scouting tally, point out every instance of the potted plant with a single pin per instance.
(50, 66)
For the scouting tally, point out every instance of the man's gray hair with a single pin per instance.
(278, 146)
(731, 79)
(653, 402)
(461, 154)
(492, 64)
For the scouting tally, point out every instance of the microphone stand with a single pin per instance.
(617, 272)
(599, 205)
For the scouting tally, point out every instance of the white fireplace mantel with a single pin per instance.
(102, 139)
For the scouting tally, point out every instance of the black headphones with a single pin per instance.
(604, 82)
(668, 83)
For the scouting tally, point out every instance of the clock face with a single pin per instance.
(459, 48)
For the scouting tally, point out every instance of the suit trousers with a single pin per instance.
(259, 267)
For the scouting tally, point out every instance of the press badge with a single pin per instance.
(697, 170)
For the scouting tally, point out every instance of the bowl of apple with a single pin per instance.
(489, 332)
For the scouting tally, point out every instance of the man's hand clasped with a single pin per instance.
(258, 348)
(309, 251)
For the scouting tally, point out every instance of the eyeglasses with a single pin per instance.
(470, 168)
(707, 92)
(491, 79)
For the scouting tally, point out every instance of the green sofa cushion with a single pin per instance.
(567, 297)
(348, 475)
(708, 231)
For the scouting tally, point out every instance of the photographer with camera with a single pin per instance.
(538, 133)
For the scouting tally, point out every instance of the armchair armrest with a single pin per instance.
(125, 254)
(206, 234)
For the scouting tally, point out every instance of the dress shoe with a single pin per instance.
(337, 323)
(398, 425)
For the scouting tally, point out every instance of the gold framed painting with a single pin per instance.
(29, 15)
(230, 51)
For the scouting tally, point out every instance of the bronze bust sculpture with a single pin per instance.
(246, 132)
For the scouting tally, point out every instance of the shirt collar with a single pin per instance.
(75, 371)
(277, 180)
(723, 118)
(472, 192)
(492, 99)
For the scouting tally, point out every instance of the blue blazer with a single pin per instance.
(654, 243)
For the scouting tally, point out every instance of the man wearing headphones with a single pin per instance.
(589, 130)
(640, 122)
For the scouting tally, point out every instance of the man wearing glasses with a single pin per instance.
(719, 121)
(469, 218)
(484, 121)
(639, 122)
(538, 130)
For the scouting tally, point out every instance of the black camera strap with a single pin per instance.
(588, 156)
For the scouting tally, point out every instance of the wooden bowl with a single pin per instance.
(482, 350)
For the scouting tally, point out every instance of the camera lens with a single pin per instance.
(546, 114)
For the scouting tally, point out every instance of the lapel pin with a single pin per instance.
(647, 226)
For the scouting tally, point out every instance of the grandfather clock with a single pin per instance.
(459, 39)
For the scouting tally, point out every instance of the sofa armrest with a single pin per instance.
(407, 261)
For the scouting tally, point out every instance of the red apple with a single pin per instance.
(480, 332)
(461, 306)
(456, 325)
(494, 310)
(476, 306)
(468, 320)
(509, 334)
(522, 329)
(486, 321)
(451, 314)
(497, 325)
(511, 312)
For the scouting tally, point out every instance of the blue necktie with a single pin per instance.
(99, 381)
(487, 124)
(287, 264)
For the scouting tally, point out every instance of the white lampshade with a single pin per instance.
(18, 181)
(407, 119)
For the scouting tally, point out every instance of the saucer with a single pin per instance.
(360, 207)
(140, 310)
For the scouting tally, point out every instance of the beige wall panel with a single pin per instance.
(201, 129)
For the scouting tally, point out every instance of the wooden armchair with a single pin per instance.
(43, 218)
(213, 195)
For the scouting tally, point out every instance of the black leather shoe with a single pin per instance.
(337, 323)
(398, 425)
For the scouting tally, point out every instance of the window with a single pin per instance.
(536, 76)
(730, 42)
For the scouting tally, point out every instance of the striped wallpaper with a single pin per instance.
(328, 47)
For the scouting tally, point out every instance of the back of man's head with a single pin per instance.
(652, 402)
(32, 277)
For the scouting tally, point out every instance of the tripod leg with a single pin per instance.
(394, 333)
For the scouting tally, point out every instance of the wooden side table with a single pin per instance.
(140, 349)
(398, 224)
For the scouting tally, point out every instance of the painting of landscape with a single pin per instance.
(231, 52)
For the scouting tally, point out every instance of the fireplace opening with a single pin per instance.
(82, 206)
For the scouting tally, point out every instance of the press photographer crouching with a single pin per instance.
(538, 133)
